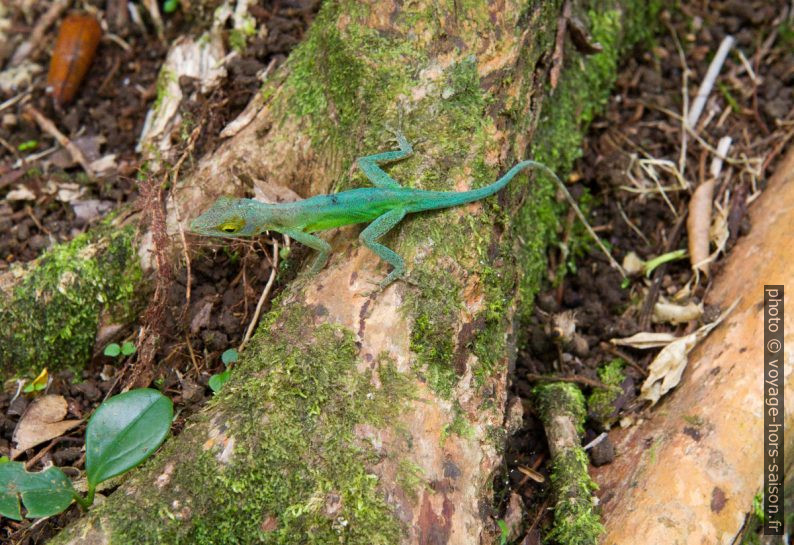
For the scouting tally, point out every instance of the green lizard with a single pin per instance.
(384, 205)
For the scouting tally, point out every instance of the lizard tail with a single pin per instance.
(446, 199)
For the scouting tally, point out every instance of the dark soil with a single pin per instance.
(226, 281)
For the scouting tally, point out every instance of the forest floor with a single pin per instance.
(636, 179)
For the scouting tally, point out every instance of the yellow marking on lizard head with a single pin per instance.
(232, 225)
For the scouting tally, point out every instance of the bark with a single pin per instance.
(699, 459)
(378, 419)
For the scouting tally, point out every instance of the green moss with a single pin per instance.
(164, 78)
(436, 309)
(50, 319)
(329, 81)
(600, 404)
(576, 521)
(459, 426)
(238, 37)
(410, 478)
(694, 420)
(298, 474)
(560, 398)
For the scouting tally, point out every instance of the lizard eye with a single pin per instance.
(232, 225)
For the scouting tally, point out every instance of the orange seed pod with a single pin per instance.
(74, 50)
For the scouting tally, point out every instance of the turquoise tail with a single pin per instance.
(446, 199)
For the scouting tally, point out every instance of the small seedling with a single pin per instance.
(28, 145)
(123, 431)
(169, 6)
(217, 380)
(126, 349)
(39, 383)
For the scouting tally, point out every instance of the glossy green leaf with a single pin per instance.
(128, 349)
(44, 493)
(217, 380)
(112, 350)
(124, 431)
(229, 356)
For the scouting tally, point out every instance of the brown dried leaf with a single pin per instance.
(43, 420)
(697, 225)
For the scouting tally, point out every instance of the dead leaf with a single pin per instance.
(42, 421)
(272, 193)
(719, 232)
(202, 317)
(69, 192)
(20, 193)
(697, 226)
(632, 263)
(91, 209)
(645, 339)
(666, 312)
(664, 372)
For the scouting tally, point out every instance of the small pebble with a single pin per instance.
(602, 453)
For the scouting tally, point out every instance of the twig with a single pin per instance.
(40, 454)
(13, 100)
(37, 35)
(192, 355)
(185, 252)
(708, 82)
(609, 347)
(653, 292)
(576, 379)
(39, 226)
(263, 297)
(684, 97)
(580, 215)
(49, 127)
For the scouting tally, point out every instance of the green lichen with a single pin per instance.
(299, 472)
(601, 402)
(50, 319)
(576, 521)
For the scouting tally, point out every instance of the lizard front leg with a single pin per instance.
(369, 237)
(316, 243)
(379, 177)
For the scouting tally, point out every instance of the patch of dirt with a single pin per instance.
(640, 136)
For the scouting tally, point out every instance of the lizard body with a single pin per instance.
(382, 206)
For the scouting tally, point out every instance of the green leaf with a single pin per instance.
(219, 379)
(128, 349)
(229, 356)
(44, 493)
(112, 350)
(124, 431)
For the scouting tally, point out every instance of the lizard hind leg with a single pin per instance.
(379, 177)
(375, 230)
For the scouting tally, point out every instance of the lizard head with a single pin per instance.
(230, 217)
